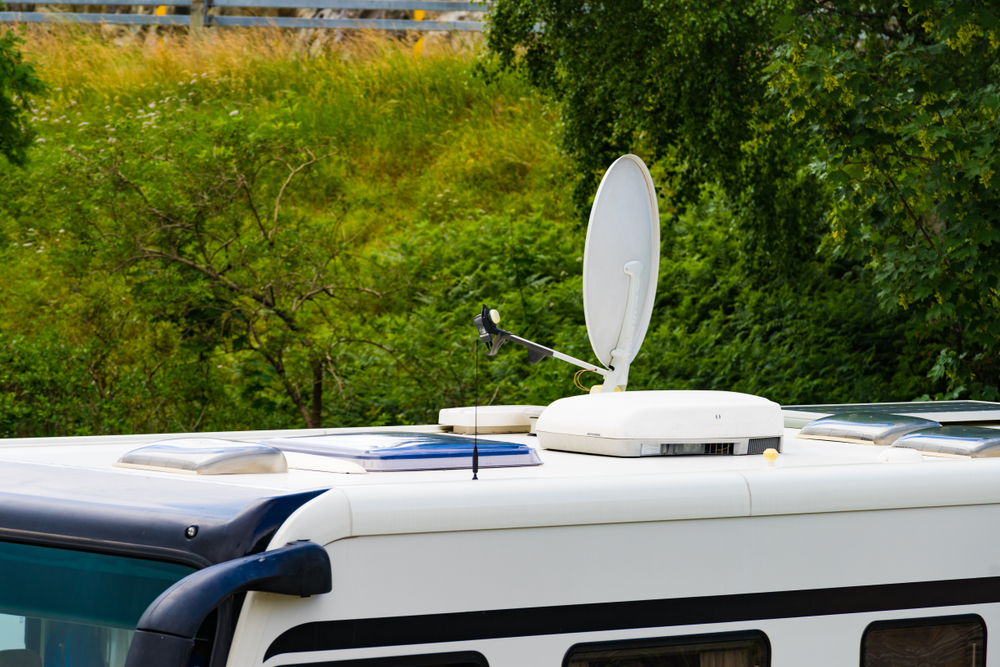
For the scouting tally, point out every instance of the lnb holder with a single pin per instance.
(493, 337)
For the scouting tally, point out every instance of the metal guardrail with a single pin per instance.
(199, 16)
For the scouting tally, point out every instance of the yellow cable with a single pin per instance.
(578, 383)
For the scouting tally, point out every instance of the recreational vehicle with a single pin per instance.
(608, 529)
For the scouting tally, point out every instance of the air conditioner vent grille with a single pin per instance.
(719, 447)
(688, 449)
(758, 445)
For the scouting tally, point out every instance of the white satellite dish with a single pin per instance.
(620, 266)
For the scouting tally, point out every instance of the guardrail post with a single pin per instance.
(199, 11)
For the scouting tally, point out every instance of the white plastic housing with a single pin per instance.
(492, 418)
(656, 423)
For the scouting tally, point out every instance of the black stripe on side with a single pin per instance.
(459, 659)
(534, 621)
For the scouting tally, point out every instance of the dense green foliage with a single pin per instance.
(17, 82)
(163, 269)
(864, 130)
(908, 128)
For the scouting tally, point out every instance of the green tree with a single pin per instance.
(197, 221)
(903, 100)
(870, 127)
(682, 84)
(17, 82)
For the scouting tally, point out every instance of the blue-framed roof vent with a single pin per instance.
(398, 451)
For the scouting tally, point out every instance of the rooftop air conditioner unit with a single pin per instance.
(662, 423)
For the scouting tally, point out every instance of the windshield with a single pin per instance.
(62, 608)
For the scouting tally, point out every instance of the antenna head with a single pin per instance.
(486, 324)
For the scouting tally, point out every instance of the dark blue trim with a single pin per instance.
(145, 516)
(165, 634)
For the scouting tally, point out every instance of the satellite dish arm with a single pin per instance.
(493, 337)
(621, 356)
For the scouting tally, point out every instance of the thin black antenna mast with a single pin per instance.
(475, 421)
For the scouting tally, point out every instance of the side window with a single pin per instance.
(951, 641)
(461, 659)
(731, 649)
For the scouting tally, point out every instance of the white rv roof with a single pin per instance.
(809, 476)
(101, 452)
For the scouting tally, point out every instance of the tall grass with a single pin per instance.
(405, 128)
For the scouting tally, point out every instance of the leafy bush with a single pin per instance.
(17, 83)
(150, 279)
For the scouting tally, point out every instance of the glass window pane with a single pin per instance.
(11, 631)
(72, 608)
(957, 641)
(733, 650)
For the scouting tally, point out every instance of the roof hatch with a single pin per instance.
(397, 451)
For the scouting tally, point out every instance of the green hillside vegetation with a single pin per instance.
(244, 233)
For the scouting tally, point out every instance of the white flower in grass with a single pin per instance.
(28, 245)
(82, 124)
(152, 105)
(233, 112)
(39, 140)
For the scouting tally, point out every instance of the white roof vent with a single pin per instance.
(864, 428)
(953, 441)
(662, 423)
(491, 418)
(205, 456)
